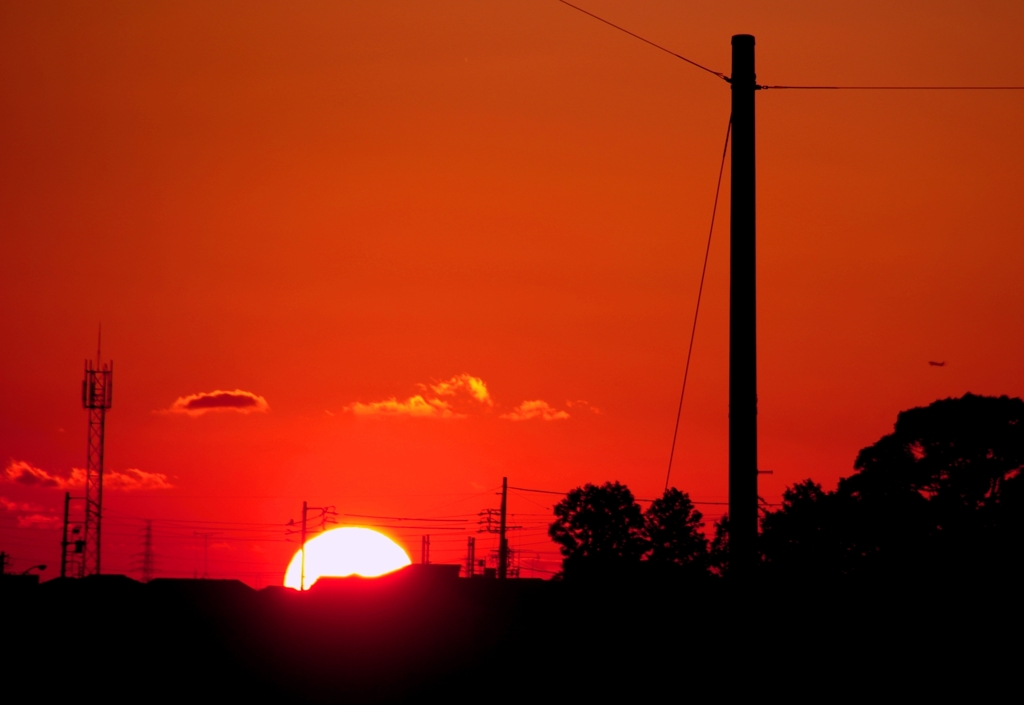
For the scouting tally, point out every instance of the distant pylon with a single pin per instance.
(470, 556)
(97, 392)
(205, 536)
(147, 552)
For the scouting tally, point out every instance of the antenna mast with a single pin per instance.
(97, 392)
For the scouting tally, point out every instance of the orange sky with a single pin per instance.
(332, 204)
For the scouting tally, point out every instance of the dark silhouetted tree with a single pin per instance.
(673, 527)
(942, 492)
(718, 552)
(812, 534)
(599, 529)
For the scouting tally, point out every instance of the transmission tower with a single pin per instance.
(205, 536)
(147, 552)
(97, 392)
(470, 556)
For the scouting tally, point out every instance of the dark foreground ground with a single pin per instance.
(412, 637)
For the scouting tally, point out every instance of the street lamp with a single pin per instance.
(39, 567)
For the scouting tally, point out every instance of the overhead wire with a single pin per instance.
(373, 516)
(892, 88)
(727, 79)
(648, 41)
(696, 312)
(675, 432)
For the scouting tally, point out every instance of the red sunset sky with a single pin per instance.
(330, 205)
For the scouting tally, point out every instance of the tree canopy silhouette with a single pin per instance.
(599, 528)
(602, 531)
(674, 536)
(718, 549)
(942, 492)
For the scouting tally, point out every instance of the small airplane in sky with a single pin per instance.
(937, 364)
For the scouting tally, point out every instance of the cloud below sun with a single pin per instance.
(461, 396)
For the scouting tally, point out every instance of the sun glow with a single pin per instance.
(346, 551)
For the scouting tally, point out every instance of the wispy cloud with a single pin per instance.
(474, 386)
(237, 400)
(10, 505)
(536, 409)
(416, 406)
(134, 479)
(30, 515)
(39, 521)
(582, 404)
(23, 473)
(462, 394)
(459, 397)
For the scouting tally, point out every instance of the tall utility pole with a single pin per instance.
(64, 543)
(302, 540)
(425, 549)
(502, 541)
(743, 317)
(327, 516)
(97, 391)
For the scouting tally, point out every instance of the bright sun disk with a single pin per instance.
(344, 552)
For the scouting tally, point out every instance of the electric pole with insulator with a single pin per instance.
(502, 541)
(743, 317)
(64, 542)
(302, 542)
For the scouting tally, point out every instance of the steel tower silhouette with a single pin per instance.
(97, 393)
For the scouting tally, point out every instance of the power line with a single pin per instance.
(372, 516)
(638, 499)
(648, 41)
(892, 88)
(727, 79)
(696, 312)
(527, 489)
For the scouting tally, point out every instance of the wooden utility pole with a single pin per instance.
(302, 539)
(743, 317)
(64, 538)
(502, 541)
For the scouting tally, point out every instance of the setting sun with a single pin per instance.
(347, 551)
